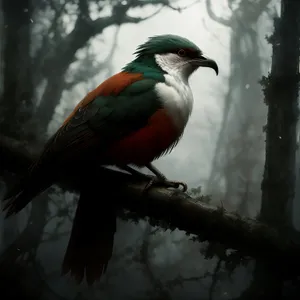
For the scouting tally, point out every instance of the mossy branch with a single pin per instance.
(173, 209)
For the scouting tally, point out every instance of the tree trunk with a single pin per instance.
(50, 99)
(16, 99)
(1, 47)
(281, 96)
(239, 149)
(55, 66)
(278, 185)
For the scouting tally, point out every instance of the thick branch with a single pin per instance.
(84, 9)
(176, 209)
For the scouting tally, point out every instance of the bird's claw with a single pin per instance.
(166, 183)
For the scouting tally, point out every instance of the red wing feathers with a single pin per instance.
(84, 137)
(112, 86)
(67, 142)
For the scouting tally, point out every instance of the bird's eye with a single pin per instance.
(181, 52)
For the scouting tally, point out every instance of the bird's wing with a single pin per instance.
(120, 106)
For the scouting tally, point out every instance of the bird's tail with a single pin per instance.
(22, 192)
(91, 242)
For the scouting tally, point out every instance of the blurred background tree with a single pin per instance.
(239, 153)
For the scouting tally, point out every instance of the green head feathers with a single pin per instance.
(178, 54)
(165, 44)
(160, 44)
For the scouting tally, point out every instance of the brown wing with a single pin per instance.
(75, 135)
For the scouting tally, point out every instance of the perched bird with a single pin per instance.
(132, 118)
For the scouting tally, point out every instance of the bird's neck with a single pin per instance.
(156, 67)
(145, 65)
(170, 66)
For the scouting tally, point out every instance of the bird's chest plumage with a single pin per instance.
(177, 99)
(162, 130)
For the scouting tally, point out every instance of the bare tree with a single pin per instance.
(16, 97)
(281, 89)
(281, 97)
(239, 149)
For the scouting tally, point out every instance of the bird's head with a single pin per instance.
(173, 54)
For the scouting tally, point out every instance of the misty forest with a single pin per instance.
(235, 233)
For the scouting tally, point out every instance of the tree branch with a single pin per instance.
(84, 9)
(158, 286)
(175, 209)
(247, 12)
(213, 16)
(258, 8)
(89, 67)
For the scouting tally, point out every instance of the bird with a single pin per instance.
(131, 119)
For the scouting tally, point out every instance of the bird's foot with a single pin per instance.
(158, 179)
(163, 182)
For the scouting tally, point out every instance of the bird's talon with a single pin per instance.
(183, 186)
(166, 183)
(179, 185)
(149, 184)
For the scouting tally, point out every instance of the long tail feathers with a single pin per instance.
(91, 242)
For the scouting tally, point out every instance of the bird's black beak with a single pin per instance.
(203, 61)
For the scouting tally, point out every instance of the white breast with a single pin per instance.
(175, 92)
(177, 98)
